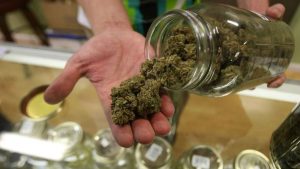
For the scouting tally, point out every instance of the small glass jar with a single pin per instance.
(108, 154)
(157, 155)
(201, 156)
(285, 142)
(31, 127)
(72, 135)
(251, 159)
(233, 49)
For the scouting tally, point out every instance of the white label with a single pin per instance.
(153, 152)
(104, 142)
(200, 162)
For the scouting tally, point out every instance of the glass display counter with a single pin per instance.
(228, 124)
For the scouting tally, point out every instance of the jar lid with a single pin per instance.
(251, 159)
(158, 154)
(204, 157)
(35, 107)
(68, 133)
(106, 148)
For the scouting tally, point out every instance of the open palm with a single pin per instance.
(106, 60)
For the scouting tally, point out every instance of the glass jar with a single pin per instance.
(33, 128)
(179, 100)
(108, 154)
(251, 159)
(201, 156)
(229, 49)
(285, 142)
(72, 135)
(156, 155)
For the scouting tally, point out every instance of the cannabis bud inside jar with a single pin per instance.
(209, 49)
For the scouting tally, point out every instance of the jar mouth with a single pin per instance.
(158, 32)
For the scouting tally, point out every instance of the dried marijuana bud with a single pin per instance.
(148, 98)
(139, 96)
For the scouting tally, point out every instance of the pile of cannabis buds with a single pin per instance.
(139, 95)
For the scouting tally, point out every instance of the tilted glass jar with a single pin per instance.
(285, 142)
(234, 49)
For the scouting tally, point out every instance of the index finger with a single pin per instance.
(63, 84)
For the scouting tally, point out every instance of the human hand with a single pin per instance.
(276, 11)
(106, 60)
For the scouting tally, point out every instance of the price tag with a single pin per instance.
(153, 152)
(200, 162)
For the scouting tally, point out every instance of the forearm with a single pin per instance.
(259, 6)
(105, 14)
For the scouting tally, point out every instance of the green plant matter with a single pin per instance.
(139, 96)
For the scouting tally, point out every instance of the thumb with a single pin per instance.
(64, 83)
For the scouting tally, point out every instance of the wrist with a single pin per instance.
(105, 14)
(111, 25)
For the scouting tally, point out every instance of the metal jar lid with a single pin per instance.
(204, 157)
(158, 154)
(251, 159)
(35, 107)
